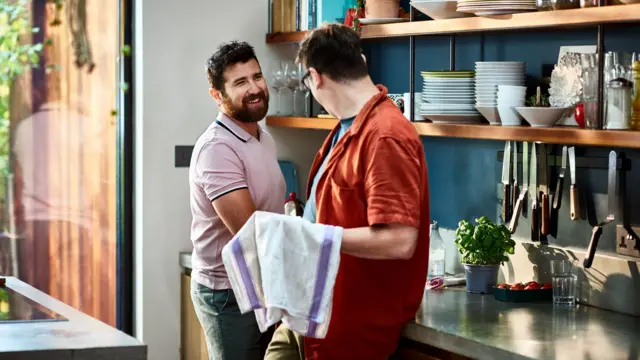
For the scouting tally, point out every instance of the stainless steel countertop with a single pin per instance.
(480, 327)
(81, 337)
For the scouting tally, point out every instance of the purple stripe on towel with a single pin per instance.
(244, 273)
(321, 278)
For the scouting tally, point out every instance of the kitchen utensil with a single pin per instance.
(533, 193)
(544, 189)
(573, 192)
(523, 190)
(612, 203)
(557, 196)
(506, 180)
(514, 171)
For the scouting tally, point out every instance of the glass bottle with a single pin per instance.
(437, 252)
(618, 105)
(635, 116)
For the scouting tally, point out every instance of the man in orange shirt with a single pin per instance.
(369, 177)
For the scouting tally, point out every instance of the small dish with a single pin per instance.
(542, 116)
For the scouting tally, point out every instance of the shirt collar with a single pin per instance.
(228, 124)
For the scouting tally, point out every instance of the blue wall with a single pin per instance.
(464, 174)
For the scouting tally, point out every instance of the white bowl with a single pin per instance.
(509, 116)
(439, 9)
(542, 116)
(512, 88)
(490, 113)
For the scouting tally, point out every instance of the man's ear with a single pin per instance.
(216, 95)
(314, 75)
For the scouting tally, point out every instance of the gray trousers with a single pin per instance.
(230, 335)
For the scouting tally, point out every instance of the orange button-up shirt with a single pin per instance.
(376, 174)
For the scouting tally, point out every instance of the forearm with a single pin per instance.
(389, 242)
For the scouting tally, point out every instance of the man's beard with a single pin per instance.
(245, 114)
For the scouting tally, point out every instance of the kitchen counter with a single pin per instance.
(480, 327)
(77, 336)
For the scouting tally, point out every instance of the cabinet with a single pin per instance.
(192, 342)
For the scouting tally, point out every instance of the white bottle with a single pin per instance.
(436, 254)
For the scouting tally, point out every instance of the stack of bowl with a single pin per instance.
(510, 97)
(491, 74)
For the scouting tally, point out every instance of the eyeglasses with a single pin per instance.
(304, 77)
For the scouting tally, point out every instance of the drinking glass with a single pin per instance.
(564, 281)
(277, 82)
(589, 64)
(286, 94)
(300, 95)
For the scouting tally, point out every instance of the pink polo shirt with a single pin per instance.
(227, 158)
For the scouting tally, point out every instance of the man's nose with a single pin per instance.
(254, 88)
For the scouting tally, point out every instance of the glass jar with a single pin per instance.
(588, 3)
(618, 106)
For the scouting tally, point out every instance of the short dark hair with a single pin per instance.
(226, 55)
(334, 50)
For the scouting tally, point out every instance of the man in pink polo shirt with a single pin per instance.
(234, 171)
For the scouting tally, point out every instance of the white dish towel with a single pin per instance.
(284, 268)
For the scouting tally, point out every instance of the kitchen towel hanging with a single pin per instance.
(284, 268)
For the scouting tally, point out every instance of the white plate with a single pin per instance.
(370, 21)
(455, 119)
(448, 81)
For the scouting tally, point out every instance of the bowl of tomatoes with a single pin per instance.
(531, 291)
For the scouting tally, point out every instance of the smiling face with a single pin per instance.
(245, 96)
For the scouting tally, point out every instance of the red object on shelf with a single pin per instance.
(352, 15)
(579, 115)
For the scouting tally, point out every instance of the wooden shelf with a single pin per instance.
(555, 135)
(533, 20)
(285, 37)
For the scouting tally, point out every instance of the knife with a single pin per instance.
(557, 196)
(612, 204)
(573, 192)
(514, 171)
(506, 187)
(544, 189)
(523, 190)
(533, 193)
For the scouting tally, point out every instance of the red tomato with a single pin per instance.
(546, 286)
(517, 286)
(532, 286)
(532, 282)
(579, 114)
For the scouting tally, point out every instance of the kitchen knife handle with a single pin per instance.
(516, 214)
(545, 214)
(514, 198)
(575, 203)
(557, 196)
(534, 221)
(506, 202)
(593, 244)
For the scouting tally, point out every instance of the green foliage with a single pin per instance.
(16, 56)
(485, 243)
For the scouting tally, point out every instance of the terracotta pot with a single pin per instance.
(376, 9)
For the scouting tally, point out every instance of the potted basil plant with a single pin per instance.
(484, 247)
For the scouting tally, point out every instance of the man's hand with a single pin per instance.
(235, 208)
(386, 242)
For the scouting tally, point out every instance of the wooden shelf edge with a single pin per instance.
(286, 37)
(302, 122)
(555, 135)
(532, 20)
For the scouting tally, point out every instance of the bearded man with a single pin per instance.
(234, 171)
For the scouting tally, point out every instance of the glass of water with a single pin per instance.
(564, 282)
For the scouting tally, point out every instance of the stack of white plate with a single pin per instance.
(496, 7)
(490, 75)
(448, 97)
